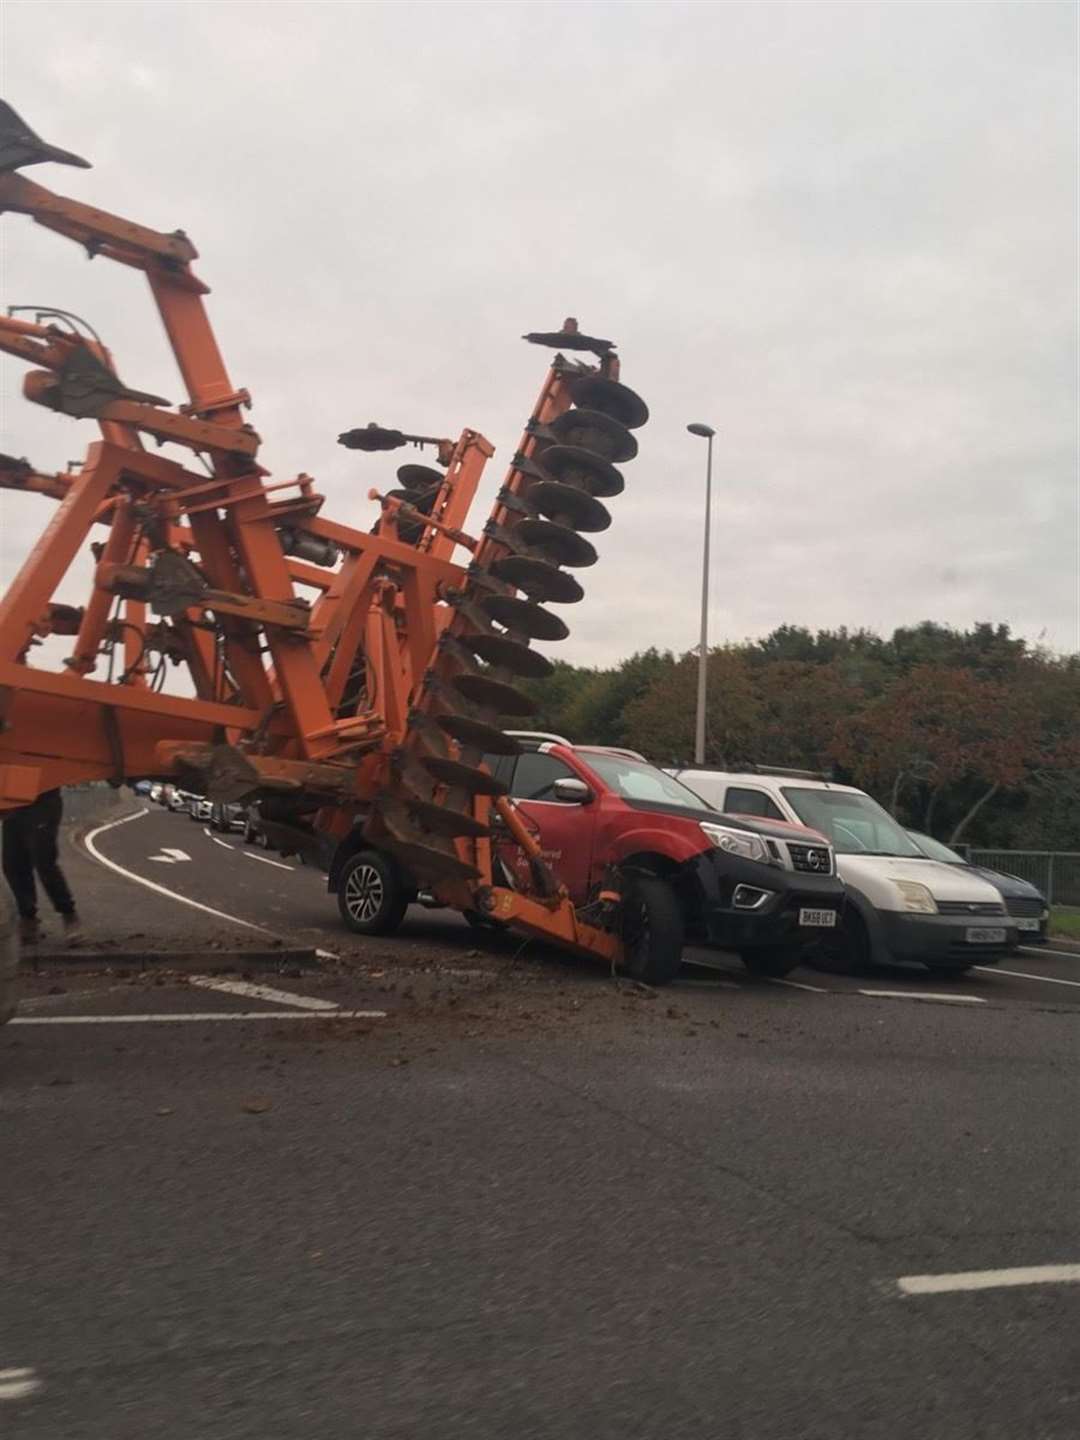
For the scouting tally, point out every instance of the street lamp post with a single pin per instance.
(707, 432)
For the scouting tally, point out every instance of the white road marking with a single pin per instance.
(797, 985)
(1020, 975)
(17, 1384)
(937, 995)
(262, 992)
(264, 861)
(325, 955)
(223, 843)
(161, 859)
(207, 1015)
(1037, 950)
(989, 1279)
(175, 853)
(151, 884)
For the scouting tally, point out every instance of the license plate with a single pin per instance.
(985, 935)
(826, 918)
(1027, 924)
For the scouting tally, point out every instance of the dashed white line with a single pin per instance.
(180, 1018)
(262, 992)
(151, 884)
(932, 995)
(223, 843)
(1020, 975)
(264, 861)
(797, 985)
(1036, 950)
(988, 1279)
(17, 1384)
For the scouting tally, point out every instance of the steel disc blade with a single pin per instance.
(571, 507)
(561, 544)
(510, 655)
(538, 579)
(478, 734)
(524, 618)
(569, 340)
(611, 398)
(425, 861)
(463, 777)
(594, 431)
(442, 821)
(418, 477)
(571, 465)
(493, 694)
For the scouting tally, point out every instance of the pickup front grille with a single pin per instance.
(1024, 909)
(970, 907)
(810, 859)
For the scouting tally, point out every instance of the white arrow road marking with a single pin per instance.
(262, 992)
(18, 1384)
(151, 884)
(988, 1279)
(176, 854)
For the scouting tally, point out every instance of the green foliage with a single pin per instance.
(969, 734)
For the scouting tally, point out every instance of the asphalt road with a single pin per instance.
(494, 1191)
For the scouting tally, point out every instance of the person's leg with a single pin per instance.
(49, 812)
(18, 863)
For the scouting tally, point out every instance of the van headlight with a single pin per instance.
(916, 897)
(737, 842)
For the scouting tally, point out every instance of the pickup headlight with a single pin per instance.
(737, 842)
(916, 897)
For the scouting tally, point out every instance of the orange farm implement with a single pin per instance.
(349, 681)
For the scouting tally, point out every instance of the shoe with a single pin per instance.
(73, 931)
(29, 930)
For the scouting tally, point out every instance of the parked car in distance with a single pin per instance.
(200, 808)
(764, 889)
(180, 800)
(227, 815)
(901, 905)
(1024, 902)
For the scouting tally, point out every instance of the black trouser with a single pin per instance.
(30, 837)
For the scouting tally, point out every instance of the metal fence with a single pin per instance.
(1055, 872)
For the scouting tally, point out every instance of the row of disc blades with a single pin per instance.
(535, 539)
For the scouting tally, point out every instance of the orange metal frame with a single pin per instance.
(270, 673)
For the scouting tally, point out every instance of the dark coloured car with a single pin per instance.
(1024, 902)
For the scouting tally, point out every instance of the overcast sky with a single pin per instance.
(845, 235)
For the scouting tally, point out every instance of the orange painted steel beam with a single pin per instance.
(30, 592)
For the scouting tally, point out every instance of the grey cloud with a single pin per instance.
(846, 235)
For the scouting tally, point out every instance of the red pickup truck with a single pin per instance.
(762, 888)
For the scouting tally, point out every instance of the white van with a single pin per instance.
(901, 905)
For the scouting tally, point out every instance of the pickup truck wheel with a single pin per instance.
(371, 897)
(772, 961)
(652, 931)
(845, 953)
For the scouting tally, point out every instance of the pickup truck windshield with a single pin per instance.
(635, 781)
(855, 824)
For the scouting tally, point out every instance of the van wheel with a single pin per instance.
(845, 953)
(772, 961)
(652, 931)
(371, 897)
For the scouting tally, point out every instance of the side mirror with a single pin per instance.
(572, 791)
